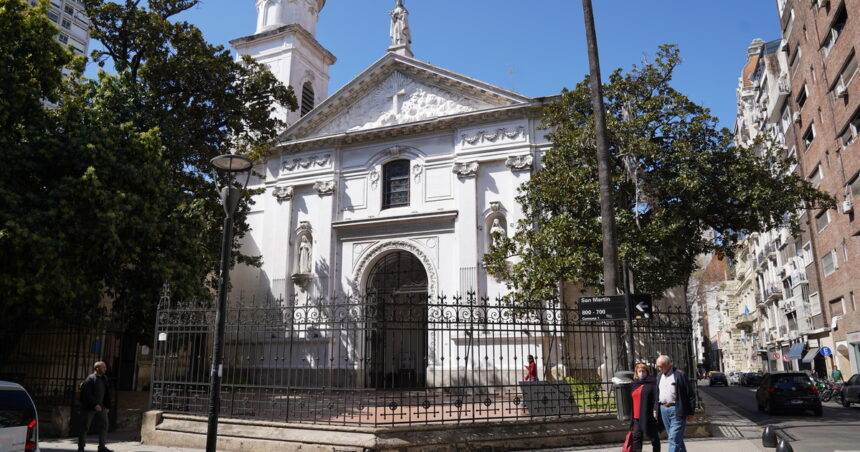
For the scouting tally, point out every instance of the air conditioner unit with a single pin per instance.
(841, 91)
(796, 116)
(847, 206)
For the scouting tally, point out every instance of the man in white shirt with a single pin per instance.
(676, 404)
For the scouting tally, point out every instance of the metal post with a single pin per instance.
(604, 174)
(230, 198)
(628, 303)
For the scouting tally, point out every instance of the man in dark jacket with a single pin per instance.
(676, 402)
(95, 402)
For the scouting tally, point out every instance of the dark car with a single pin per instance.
(851, 391)
(718, 379)
(751, 379)
(783, 391)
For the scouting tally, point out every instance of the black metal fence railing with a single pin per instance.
(396, 360)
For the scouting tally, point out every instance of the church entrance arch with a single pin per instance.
(396, 288)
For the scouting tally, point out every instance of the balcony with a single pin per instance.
(772, 293)
(797, 278)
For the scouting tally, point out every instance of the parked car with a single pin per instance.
(782, 391)
(735, 377)
(19, 427)
(751, 379)
(718, 379)
(851, 391)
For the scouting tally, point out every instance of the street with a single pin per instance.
(837, 430)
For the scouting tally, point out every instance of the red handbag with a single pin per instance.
(628, 443)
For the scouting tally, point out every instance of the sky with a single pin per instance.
(535, 47)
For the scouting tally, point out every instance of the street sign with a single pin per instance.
(641, 305)
(602, 308)
(775, 356)
(825, 351)
(754, 358)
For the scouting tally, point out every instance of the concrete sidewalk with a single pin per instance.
(117, 441)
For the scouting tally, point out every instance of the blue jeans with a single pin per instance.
(674, 428)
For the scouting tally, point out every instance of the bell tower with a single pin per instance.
(286, 43)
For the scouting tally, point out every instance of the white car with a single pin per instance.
(734, 378)
(19, 426)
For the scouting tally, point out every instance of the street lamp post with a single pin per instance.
(232, 165)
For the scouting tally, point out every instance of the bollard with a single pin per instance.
(768, 437)
(784, 446)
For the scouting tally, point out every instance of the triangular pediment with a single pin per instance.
(399, 90)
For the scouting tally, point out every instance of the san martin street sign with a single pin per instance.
(615, 307)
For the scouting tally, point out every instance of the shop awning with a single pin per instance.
(796, 351)
(810, 355)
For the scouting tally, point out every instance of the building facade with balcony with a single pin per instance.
(820, 41)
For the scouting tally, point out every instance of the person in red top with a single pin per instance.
(645, 420)
(531, 370)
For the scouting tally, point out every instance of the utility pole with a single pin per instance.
(604, 174)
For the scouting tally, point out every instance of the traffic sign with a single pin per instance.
(641, 305)
(825, 351)
(775, 356)
(754, 358)
(602, 308)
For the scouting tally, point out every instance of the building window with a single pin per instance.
(66, 24)
(846, 76)
(809, 135)
(801, 97)
(835, 30)
(822, 220)
(795, 58)
(69, 10)
(854, 188)
(814, 304)
(53, 16)
(63, 38)
(851, 130)
(307, 98)
(395, 183)
(817, 176)
(829, 263)
(837, 307)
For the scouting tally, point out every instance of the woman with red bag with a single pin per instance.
(645, 421)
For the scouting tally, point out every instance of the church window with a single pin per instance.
(395, 183)
(307, 98)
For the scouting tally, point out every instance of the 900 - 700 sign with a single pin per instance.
(602, 308)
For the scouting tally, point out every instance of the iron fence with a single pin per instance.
(400, 359)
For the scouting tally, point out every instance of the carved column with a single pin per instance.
(278, 232)
(467, 224)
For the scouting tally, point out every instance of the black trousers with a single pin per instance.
(639, 437)
(87, 420)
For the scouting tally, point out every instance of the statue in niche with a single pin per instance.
(305, 255)
(497, 231)
(400, 34)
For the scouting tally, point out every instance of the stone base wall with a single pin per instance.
(174, 430)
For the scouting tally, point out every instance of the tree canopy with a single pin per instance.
(681, 188)
(107, 192)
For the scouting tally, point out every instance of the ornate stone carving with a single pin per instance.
(395, 151)
(466, 169)
(304, 228)
(399, 100)
(417, 170)
(314, 161)
(374, 179)
(324, 187)
(520, 162)
(498, 136)
(495, 206)
(283, 192)
(361, 269)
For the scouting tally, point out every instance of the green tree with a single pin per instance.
(111, 193)
(681, 188)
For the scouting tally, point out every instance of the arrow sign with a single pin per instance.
(642, 306)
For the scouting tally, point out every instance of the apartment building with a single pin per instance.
(72, 21)
(820, 40)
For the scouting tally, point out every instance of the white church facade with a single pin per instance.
(396, 183)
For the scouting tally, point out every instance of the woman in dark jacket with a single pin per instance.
(645, 418)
